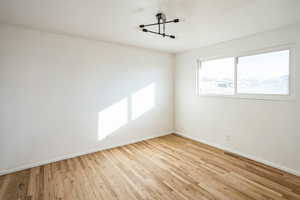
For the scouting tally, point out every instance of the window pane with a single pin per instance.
(264, 74)
(217, 77)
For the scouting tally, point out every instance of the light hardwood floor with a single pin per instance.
(169, 167)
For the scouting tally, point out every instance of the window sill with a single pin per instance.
(252, 97)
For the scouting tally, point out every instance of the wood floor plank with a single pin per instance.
(165, 168)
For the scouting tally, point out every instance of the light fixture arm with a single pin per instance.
(157, 33)
(161, 20)
(155, 24)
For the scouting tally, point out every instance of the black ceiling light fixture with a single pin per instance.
(161, 23)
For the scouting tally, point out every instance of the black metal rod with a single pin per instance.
(165, 35)
(158, 27)
(145, 25)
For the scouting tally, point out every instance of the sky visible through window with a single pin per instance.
(217, 76)
(266, 73)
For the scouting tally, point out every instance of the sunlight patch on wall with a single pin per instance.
(142, 101)
(112, 118)
(130, 108)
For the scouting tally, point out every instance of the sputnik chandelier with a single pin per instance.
(161, 23)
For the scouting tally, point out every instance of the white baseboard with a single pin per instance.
(271, 164)
(64, 157)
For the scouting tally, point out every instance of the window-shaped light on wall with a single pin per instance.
(112, 118)
(142, 101)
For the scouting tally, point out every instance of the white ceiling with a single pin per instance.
(204, 21)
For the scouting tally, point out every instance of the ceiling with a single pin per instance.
(204, 22)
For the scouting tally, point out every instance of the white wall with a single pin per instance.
(265, 130)
(52, 88)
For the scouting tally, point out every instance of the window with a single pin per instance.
(217, 77)
(264, 74)
(260, 74)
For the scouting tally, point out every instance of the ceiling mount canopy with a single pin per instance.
(161, 25)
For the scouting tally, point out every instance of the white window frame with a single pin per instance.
(275, 97)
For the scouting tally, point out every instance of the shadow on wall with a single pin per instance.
(128, 109)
